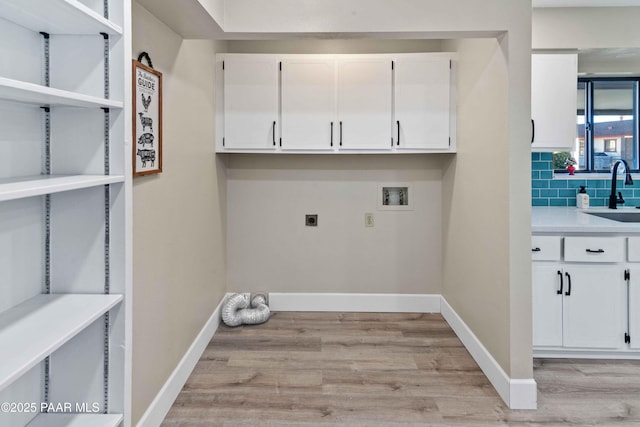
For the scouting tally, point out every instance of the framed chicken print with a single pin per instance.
(147, 119)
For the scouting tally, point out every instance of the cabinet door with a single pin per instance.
(634, 308)
(308, 103)
(422, 97)
(547, 304)
(595, 307)
(554, 82)
(250, 103)
(364, 103)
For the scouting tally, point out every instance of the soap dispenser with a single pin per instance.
(582, 198)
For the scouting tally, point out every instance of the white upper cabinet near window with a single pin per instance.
(422, 102)
(553, 101)
(364, 103)
(251, 102)
(308, 103)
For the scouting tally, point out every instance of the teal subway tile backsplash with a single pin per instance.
(546, 191)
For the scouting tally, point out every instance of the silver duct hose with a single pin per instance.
(236, 311)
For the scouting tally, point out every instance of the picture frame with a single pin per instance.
(147, 120)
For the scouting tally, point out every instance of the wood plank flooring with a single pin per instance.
(372, 369)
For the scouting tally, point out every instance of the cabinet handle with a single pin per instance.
(340, 134)
(568, 284)
(332, 134)
(597, 251)
(273, 133)
(398, 142)
(561, 283)
(536, 250)
(533, 130)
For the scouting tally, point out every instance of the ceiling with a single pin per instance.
(584, 3)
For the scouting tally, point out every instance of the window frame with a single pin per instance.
(589, 114)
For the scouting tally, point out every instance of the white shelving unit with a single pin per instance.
(29, 93)
(65, 212)
(38, 185)
(64, 315)
(76, 420)
(57, 17)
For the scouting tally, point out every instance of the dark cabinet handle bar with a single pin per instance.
(536, 250)
(274, 133)
(597, 251)
(340, 134)
(568, 284)
(398, 142)
(332, 134)
(561, 283)
(533, 130)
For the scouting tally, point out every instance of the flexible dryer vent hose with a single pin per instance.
(236, 311)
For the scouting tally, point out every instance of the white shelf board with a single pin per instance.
(57, 17)
(30, 93)
(29, 186)
(76, 420)
(34, 329)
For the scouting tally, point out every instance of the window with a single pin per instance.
(610, 146)
(607, 125)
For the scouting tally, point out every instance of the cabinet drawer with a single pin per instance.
(545, 248)
(594, 249)
(633, 248)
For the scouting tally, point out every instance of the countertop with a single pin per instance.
(573, 220)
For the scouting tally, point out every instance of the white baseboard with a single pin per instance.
(157, 411)
(374, 303)
(516, 393)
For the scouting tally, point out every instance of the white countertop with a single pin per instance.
(573, 220)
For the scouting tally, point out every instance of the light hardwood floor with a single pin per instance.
(372, 369)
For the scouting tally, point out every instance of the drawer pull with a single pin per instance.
(561, 283)
(597, 251)
(568, 293)
(536, 250)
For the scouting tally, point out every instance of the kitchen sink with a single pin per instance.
(618, 216)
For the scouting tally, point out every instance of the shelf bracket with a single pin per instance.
(107, 223)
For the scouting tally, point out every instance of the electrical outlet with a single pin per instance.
(311, 220)
(368, 220)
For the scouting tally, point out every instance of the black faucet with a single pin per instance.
(613, 199)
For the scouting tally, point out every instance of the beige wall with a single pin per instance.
(585, 28)
(476, 214)
(271, 249)
(486, 196)
(178, 215)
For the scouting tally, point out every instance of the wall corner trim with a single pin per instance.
(516, 393)
(158, 409)
(371, 303)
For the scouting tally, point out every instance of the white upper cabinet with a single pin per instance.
(308, 103)
(422, 102)
(378, 103)
(251, 102)
(364, 103)
(553, 101)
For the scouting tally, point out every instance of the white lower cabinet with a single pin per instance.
(578, 306)
(593, 302)
(633, 308)
(547, 304)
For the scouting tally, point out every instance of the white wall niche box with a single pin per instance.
(395, 197)
(65, 212)
(331, 104)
